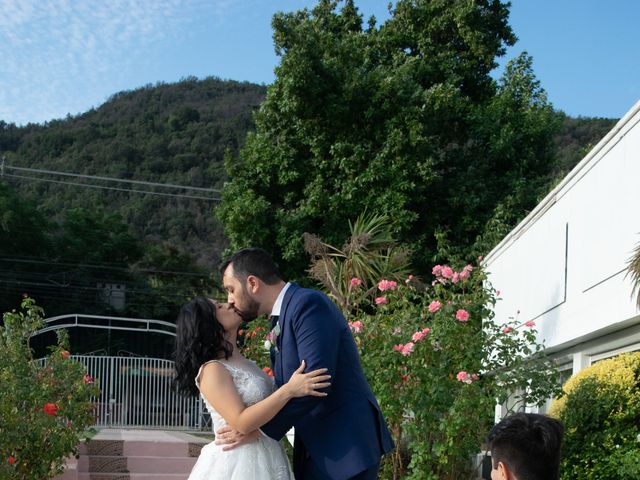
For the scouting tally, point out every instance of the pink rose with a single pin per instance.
(464, 377)
(437, 270)
(434, 306)
(385, 285)
(426, 330)
(355, 282)
(456, 277)
(480, 258)
(407, 349)
(356, 327)
(529, 323)
(418, 336)
(88, 379)
(381, 300)
(462, 315)
(447, 271)
(398, 348)
(506, 330)
(466, 272)
(474, 376)
(409, 279)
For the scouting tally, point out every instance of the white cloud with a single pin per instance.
(60, 56)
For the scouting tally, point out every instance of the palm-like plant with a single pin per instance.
(633, 269)
(370, 254)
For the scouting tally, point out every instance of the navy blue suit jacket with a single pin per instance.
(344, 433)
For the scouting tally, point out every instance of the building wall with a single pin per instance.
(564, 266)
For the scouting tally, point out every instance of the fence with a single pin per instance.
(136, 393)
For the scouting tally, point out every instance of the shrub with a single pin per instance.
(45, 406)
(600, 409)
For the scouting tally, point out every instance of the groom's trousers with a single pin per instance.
(311, 473)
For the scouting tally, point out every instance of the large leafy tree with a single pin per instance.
(401, 119)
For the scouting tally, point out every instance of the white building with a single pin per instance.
(564, 265)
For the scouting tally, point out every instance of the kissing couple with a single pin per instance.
(320, 388)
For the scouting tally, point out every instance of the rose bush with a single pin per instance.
(436, 358)
(45, 407)
(438, 363)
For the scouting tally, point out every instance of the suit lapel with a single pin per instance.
(283, 320)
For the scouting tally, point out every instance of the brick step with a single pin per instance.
(141, 448)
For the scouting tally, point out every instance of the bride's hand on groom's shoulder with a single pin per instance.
(301, 384)
(231, 438)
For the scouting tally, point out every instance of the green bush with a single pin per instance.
(45, 407)
(600, 410)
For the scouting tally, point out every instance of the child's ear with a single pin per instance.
(503, 472)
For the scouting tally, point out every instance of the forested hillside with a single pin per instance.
(576, 137)
(167, 133)
(59, 241)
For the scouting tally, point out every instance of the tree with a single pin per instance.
(402, 119)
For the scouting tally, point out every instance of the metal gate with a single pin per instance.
(136, 393)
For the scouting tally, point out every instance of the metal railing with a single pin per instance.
(136, 393)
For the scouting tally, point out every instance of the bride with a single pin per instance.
(235, 391)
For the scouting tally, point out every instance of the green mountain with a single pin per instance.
(166, 133)
(63, 238)
(74, 243)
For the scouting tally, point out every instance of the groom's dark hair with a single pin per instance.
(253, 261)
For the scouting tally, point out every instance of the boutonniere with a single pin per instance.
(272, 338)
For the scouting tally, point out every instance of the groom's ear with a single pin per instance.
(253, 284)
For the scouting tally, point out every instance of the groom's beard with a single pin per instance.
(249, 311)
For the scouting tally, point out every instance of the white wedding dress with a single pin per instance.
(264, 458)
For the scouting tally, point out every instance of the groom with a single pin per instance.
(341, 436)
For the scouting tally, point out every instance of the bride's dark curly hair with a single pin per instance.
(199, 338)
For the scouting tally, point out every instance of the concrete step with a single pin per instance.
(166, 465)
(161, 449)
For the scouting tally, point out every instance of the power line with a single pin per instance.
(111, 179)
(89, 289)
(105, 267)
(210, 199)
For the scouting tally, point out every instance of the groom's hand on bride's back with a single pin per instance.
(231, 438)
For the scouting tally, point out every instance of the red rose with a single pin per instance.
(11, 459)
(64, 354)
(50, 409)
(87, 379)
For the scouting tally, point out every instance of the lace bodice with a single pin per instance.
(252, 384)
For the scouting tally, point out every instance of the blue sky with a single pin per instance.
(66, 56)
